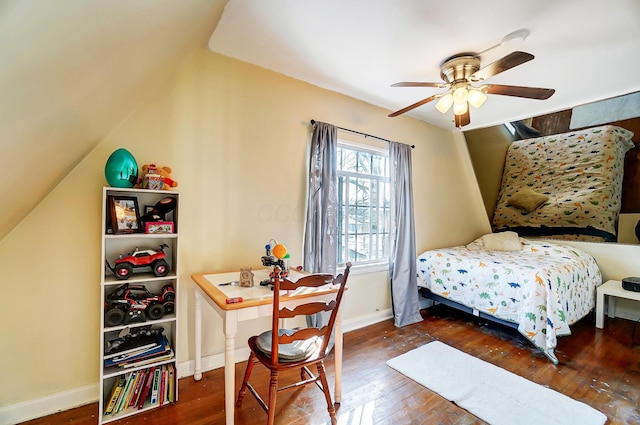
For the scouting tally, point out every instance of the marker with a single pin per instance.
(228, 283)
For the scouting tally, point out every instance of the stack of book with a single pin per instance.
(133, 390)
(144, 352)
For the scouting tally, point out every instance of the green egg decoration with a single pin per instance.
(121, 169)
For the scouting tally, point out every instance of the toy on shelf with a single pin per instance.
(160, 209)
(156, 259)
(134, 303)
(129, 339)
(278, 257)
(121, 169)
(155, 177)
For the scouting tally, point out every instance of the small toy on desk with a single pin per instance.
(246, 277)
(234, 300)
(279, 260)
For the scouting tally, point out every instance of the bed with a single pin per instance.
(541, 288)
(564, 186)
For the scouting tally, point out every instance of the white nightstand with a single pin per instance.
(613, 288)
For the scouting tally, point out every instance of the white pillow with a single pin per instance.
(501, 241)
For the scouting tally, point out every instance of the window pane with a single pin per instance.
(364, 163)
(363, 194)
(364, 199)
(349, 162)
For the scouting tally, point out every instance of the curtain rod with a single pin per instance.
(363, 134)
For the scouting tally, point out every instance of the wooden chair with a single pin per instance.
(285, 349)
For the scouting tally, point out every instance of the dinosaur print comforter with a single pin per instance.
(544, 288)
(581, 172)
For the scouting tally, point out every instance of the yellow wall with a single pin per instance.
(237, 137)
(488, 150)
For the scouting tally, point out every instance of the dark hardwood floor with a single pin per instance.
(598, 367)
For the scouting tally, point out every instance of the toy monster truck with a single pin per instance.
(134, 303)
(156, 259)
(131, 338)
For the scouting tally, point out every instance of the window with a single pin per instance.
(364, 199)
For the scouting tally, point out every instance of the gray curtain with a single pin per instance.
(320, 243)
(402, 255)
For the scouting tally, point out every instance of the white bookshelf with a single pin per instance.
(115, 244)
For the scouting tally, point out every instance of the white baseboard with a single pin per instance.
(216, 361)
(53, 403)
(75, 397)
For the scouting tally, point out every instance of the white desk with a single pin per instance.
(258, 302)
(612, 288)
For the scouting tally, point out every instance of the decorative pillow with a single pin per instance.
(527, 199)
(293, 352)
(501, 241)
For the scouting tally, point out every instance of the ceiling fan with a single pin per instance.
(459, 72)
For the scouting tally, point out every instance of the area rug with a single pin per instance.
(494, 395)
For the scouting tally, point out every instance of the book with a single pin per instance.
(131, 346)
(135, 359)
(163, 385)
(147, 387)
(155, 386)
(135, 377)
(116, 389)
(123, 395)
(160, 344)
(155, 359)
(172, 383)
(142, 375)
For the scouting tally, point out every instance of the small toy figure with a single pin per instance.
(156, 177)
(278, 273)
(246, 277)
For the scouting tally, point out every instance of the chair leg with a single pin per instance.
(243, 389)
(273, 392)
(327, 392)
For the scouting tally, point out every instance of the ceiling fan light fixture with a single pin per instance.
(460, 95)
(476, 98)
(445, 103)
(460, 108)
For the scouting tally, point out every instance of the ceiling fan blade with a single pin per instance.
(518, 91)
(415, 105)
(418, 84)
(463, 119)
(512, 60)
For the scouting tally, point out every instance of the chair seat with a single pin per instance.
(293, 352)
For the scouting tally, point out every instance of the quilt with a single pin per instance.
(577, 178)
(544, 287)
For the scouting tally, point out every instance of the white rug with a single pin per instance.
(494, 395)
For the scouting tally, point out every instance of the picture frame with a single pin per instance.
(124, 214)
(158, 227)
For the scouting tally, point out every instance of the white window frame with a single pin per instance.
(379, 264)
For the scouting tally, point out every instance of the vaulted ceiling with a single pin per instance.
(586, 50)
(72, 70)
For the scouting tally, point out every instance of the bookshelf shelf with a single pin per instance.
(138, 343)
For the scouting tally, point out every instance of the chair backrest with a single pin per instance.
(309, 281)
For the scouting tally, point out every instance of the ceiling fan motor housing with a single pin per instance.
(459, 68)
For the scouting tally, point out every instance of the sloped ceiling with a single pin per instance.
(71, 71)
(587, 50)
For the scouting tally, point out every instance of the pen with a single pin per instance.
(227, 284)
